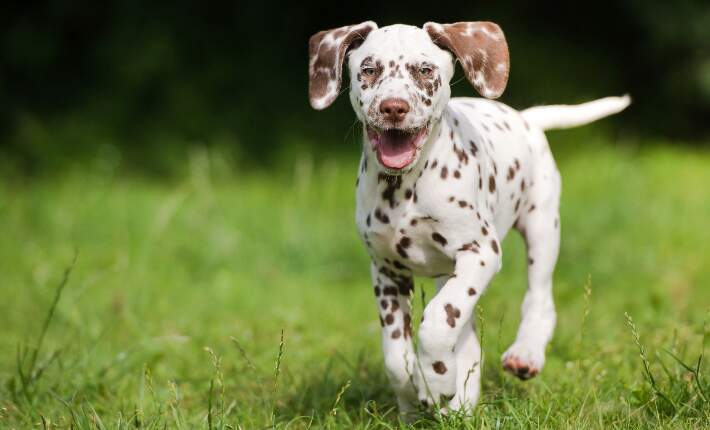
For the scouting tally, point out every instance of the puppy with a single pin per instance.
(441, 181)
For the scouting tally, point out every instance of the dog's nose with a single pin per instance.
(394, 110)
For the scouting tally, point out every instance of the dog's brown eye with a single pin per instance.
(426, 71)
(368, 71)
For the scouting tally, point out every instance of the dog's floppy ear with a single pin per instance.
(482, 50)
(326, 51)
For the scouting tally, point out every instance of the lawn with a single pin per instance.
(230, 297)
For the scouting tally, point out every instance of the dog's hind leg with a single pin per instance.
(539, 224)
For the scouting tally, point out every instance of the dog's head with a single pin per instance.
(399, 77)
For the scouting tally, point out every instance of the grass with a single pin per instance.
(232, 299)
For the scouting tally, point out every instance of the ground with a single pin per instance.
(231, 297)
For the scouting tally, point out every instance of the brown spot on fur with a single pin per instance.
(439, 367)
(439, 239)
(494, 245)
(461, 155)
(471, 291)
(390, 291)
(399, 265)
(491, 183)
(393, 184)
(396, 334)
(511, 174)
(452, 313)
(381, 216)
(389, 319)
(406, 289)
(474, 148)
(471, 246)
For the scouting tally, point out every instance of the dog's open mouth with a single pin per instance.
(396, 148)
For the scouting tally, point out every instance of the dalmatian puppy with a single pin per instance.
(441, 181)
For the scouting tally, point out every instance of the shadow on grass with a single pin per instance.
(341, 385)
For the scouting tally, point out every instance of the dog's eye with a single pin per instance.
(368, 71)
(426, 71)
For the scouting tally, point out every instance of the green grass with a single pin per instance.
(233, 299)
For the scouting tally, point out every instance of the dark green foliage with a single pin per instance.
(143, 83)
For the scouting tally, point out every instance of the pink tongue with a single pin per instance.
(396, 150)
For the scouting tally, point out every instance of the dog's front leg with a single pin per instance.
(393, 292)
(446, 317)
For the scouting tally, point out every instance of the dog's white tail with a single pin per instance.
(565, 116)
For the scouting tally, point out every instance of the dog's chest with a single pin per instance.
(400, 217)
(471, 180)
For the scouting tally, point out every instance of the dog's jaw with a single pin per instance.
(421, 144)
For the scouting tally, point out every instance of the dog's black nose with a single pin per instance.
(394, 110)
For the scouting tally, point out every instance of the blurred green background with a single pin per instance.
(172, 147)
(139, 83)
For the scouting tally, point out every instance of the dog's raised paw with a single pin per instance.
(522, 362)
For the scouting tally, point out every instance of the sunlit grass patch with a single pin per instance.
(173, 314)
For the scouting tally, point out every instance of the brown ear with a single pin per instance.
(482, 50)
(326, 50)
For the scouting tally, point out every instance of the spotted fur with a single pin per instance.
(482, 169)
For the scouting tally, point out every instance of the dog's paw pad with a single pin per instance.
(519, 368)
(523, 361)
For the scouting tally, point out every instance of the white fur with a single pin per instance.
(483, 169)
(562, 116)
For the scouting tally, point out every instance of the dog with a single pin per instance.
(441, 181)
